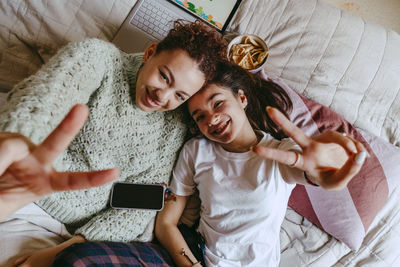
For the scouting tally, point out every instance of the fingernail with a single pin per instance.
(354, 150)
(351, 147)
(360, 157)
(268, 108)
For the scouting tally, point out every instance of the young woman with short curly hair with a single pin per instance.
(125, 129)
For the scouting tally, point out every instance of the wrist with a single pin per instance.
(194, 263)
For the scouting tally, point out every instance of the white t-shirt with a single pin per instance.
(243, 200)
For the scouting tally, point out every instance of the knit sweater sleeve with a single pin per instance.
(119, 225)
(128, 225)
(37, 104)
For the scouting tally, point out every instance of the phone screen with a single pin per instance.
(137, 196)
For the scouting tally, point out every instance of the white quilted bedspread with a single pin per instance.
(32, 31)
(303, 244)
(332, 57)
(353, 67)
(328, 55)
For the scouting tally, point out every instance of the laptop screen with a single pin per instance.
(216, 12)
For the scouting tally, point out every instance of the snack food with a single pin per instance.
(248, 53)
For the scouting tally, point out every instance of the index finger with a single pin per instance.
(62, 135)
(80, 180)
(288, 127)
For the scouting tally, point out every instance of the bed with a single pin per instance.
(323, 53)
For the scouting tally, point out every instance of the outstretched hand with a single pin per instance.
(26, 171)
(330, 159)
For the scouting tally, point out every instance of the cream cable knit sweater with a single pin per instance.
(117, 134)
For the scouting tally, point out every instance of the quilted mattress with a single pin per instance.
(328, 55)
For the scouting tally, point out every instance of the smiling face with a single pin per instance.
(167, 79)
(220, 116)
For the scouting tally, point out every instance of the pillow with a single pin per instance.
(348, 213)
(332, 57)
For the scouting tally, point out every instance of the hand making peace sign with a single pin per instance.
(330, 159)
(26, 171)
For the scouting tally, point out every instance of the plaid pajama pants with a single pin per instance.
(107, 254)
(119, 254)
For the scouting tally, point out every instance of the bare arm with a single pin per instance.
(168, 234)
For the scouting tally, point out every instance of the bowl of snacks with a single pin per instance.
(248, 51)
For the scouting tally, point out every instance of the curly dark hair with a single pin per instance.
(260, 93)
(202, 42)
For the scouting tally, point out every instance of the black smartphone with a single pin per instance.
(137, 196)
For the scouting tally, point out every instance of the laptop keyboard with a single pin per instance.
(153, 19)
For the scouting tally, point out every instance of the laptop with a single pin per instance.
(150, 20)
